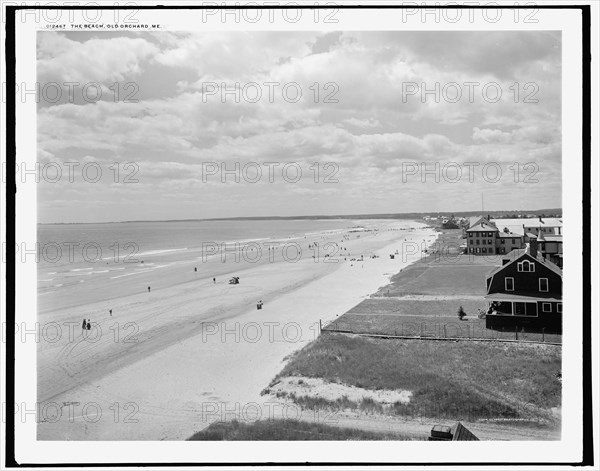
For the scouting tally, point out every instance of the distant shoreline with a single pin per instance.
(418, 215)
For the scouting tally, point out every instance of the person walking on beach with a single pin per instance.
(83, 325)
(88, 326)
(214, 280)
(195, 269)
(148, 289)
(110, 312)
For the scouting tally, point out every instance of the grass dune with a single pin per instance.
(450, 380)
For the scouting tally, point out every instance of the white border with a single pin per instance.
(568, 449)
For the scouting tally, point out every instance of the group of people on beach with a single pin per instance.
(86, 324)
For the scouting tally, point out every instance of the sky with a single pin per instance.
(160, 125)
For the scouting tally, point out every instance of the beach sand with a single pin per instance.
(170, 362)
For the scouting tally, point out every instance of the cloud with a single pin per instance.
(365, 123)
(491, 136)
(61, 59)
(353, 111)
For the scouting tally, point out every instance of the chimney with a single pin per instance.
(533, 247)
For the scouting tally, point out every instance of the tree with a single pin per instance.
(461, 313)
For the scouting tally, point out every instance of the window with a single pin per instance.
(513, 241)
(546, 307)
(519, 309)
(509, 284)
(504, 307)
(559, 307)
(502, 241)
(525, 309)
(478, 250)
(484, 250)
(477, 241)
(490, 241)
(470, 234)
(526, 266)
(544, 285)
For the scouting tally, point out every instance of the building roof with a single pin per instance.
(483, 226)
(544, 222)
(460, 432)
(550, 265)
(474, 220)
(516, 225)
(511, 256)
(508, 234)
(517, 254)
(550, 238)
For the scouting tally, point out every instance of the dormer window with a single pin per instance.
(526, 266)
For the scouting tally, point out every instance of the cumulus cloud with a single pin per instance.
(353, 111)
(62, 59)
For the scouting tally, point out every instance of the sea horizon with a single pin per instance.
(411, 215)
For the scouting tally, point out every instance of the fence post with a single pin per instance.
(543, 334)
(516, 333)
(445, 335)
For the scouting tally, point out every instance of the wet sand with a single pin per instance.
(170, 362)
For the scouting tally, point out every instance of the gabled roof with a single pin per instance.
(520, 254)
(511, 256)
(474, 220)
(462, 433)
(548, 264)
(478, 220)
(483, 226)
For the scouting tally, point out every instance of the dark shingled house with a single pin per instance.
(525, 292)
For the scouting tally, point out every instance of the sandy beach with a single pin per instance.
(169, 362)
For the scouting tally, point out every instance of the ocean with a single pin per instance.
(83, 263)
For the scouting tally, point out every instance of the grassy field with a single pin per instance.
(288, 430)
(422, 300)
(443, 271)
(430, 327)
(449, 380)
